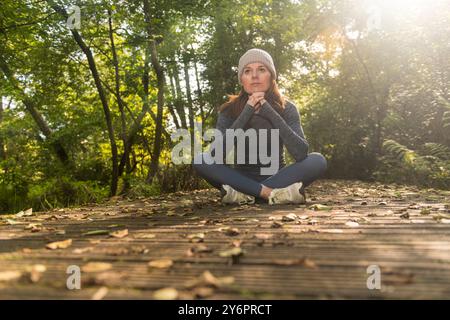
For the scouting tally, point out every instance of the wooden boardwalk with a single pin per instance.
(187, 245)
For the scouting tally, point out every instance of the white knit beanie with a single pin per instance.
(256, 55)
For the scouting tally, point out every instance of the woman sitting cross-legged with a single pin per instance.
(260, 106)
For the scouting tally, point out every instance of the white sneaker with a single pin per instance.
(235, 197)
(289, 194)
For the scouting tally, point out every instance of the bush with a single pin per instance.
(430, 167)
(138, 187)
(64, 192)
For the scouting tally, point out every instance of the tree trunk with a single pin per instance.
(126, 147)
(2, 145)
(93, 67)
(160, 81)
(189, 98)
(179, 102)
(172, 106)
(199, 91)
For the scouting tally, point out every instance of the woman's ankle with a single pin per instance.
(265, 192)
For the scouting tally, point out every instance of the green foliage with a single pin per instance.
(374, 101)
(138, 187)
(64, 192)
(428, 167)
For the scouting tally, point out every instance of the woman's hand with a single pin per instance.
(256, 100)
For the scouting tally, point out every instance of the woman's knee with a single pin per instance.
(197, 163)
(319, 160)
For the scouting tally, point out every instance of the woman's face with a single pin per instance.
(256, 78)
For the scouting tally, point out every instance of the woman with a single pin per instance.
(260, 106)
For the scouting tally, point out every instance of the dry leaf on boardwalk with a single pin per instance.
(289, 217)
(320, 207)
(96, 267)
(208, 279)
(9, 275)
(59, 244)
(196, 237)
(35, 272)
(198, 249)
(304, 262)
(119, 234)
(165, 294)
(234, 252)
(352, 224)
(229, 231)
(83, 250)
(100, 293)
(161, 263)
(96, 233)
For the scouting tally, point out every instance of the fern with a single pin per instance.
(437, 150)
(446, 119)
(400, 152)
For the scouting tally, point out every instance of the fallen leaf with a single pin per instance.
(236, 243)
(161, 263)
(276, 224)
(320, 207)
(198, 249)
(26, 213)
(208, 279)
(82, 250)
(234, 252)
(352, 224)
(289, 217)
(229, 231)
(165, 294)
(96, 267)
(96, 233)
(9, 275)
(108, 278)
(13, 222)
(35, 272)
(196, 237)
(295, 262)
(59, 244)
(119, 234)
(34, 227)
(100, 293)
(203, 292)
(263, 236)
(405, 215)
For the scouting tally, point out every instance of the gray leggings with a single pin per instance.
(306, 171)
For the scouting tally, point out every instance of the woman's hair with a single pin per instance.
(236, 103)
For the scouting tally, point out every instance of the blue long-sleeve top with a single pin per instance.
(288, 122)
